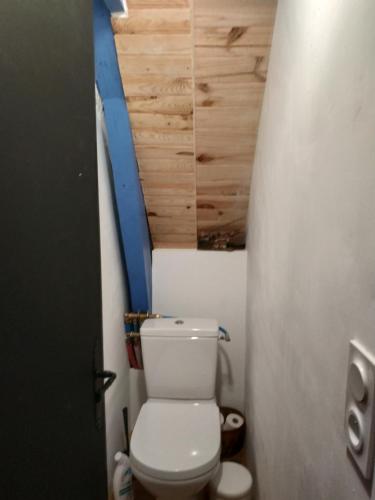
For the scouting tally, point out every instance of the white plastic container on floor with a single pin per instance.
(233, 481)
(122, 478)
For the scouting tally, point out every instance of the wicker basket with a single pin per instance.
(232, 441)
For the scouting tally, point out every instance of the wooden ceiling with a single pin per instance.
(194, 73)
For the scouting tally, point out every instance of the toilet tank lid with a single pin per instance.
(180, 327)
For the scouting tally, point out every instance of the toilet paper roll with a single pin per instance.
(222, 419)
(233, 421)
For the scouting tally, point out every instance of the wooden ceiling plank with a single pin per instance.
(156, 4)
(223, 172)
(225, 226)
(222, 201)
(165, 184)
(221, 215)
(222, 160)
(167, 105)
(175, 241)
(231, 188)
(155, 55)
(209, 93)
(156, 21)
(153, 44)
(162, 136)
(186, 221)
(235, 13)
(172, 212)
(170, 201)
(164, 151)
(173, 191)
(234, 66)
(221, 149)
(176, 66)
(183, 227)
(234, 36)
(156, 166)
(224, 137)
(156, 85)
(166, 178)
(243, 119)
(160, 121)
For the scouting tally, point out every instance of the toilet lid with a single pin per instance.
(176, 440)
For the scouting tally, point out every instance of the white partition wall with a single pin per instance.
(208, 284)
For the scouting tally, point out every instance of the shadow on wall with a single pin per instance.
(224, 373)
(137, 395)
(250, 430)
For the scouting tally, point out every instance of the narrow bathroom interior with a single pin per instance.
(188, 279)
(221, 94)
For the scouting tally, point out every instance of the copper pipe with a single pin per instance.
(133, 335)
(130, 317)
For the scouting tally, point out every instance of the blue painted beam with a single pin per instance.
(116, 6)
(128, 193)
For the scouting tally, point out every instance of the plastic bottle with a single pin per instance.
(122, 478)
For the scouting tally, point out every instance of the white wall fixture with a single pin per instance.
(360, 408)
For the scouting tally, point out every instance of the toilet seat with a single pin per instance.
(176, 440)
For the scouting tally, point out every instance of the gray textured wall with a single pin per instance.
(311, 269)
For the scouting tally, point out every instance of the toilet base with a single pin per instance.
(189, 489)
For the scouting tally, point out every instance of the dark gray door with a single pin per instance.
(50, 297)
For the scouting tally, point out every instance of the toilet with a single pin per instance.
(175, 445)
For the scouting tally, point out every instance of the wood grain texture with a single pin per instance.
(164, 104)
(146, 44)
(218, 63)
(164, 165)
(233, 36)
(156, 85)
(157, 4)
(194, 74)
(159, 136)
(164, 152)
(232, 42)
(216, 202)
(155, 53)
(244, 92)
(231, 14)
(243, 119)
(155, 21)
(167, 65)
(161, 121)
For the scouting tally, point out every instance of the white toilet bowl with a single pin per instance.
(186, 489)
(175, 447)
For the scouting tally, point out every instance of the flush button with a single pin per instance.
(358, 381)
